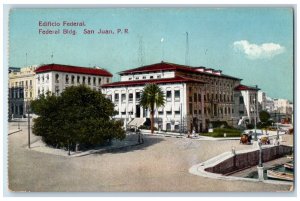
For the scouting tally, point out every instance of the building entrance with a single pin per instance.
(137, 111)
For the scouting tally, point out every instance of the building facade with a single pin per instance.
(196, 97)
(283, 106)
(56, 77)
(21, 90)
(247, 106)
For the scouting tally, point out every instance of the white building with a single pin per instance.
(283, 106)
(56, 77)
(196, 97)
(246, 104)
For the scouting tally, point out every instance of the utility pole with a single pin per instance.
(28, 118)
(187, 59)
(162, 48)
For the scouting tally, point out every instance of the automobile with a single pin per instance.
(245, 138)
(249, 135)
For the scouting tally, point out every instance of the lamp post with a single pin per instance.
(18, 124)
(255, 133)
(180, 130)
(260, 167)
(277, 129)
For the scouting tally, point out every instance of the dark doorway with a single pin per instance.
(195, 124)
(137, 111)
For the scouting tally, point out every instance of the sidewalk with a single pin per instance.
(116, 145)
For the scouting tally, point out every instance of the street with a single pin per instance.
(161, 164)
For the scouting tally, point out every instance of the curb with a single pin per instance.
(14, 132)
(103, 150)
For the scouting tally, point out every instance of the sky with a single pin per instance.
(254, 44)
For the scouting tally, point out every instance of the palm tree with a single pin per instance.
(152, 96)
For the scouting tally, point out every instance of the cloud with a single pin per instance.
(254, 51)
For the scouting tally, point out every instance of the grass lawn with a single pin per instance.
(219, 132)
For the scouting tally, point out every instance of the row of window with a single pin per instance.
(16, 93)
(220, 97)
(80, 80)
(208, 110)
(145, 77)
(138, 96)
(21, 83)
(123, 97)
(159, 113)
(17, 109)
(214, 83)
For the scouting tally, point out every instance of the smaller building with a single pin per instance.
(56, 77)
(246, 104)
(21, 90)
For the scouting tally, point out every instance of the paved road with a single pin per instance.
(159, 165)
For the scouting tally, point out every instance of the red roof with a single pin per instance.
(165, 66)
(72, 69)
(245, 88)
(156, 81)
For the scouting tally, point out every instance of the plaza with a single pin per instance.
(161, 164)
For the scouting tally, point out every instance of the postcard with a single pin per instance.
(150, 99)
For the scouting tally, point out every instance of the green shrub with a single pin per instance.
(79, 115)
(219, 132)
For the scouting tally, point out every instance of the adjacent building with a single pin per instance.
(56, 77)
(196, 97)
(26, 84)
(246, 105)
(21, 90)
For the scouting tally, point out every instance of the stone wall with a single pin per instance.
(249, 159)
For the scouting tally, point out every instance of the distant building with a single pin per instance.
(283, 106)
(269, 104)
(196, 97)
(262, 100)
(56, 77)
(21, 90)
(280, 109)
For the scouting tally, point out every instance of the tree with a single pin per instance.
(152, 96)
(79, 115)
(264, 116)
